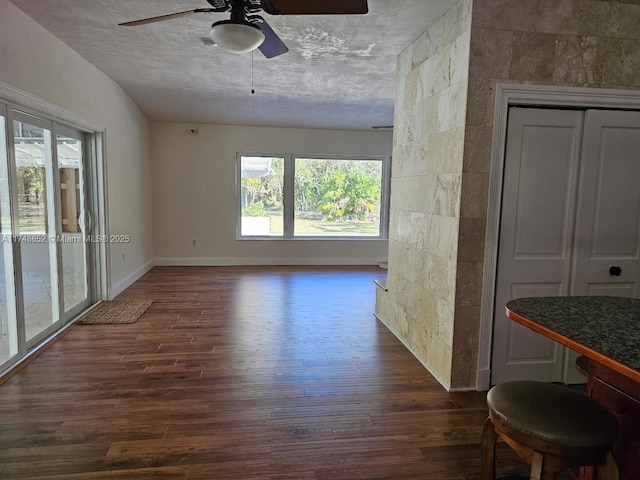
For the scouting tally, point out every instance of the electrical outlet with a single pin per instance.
(194, 242)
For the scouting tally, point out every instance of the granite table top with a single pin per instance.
(602, 328)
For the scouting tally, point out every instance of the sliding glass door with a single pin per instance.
(74, 221)
(46, 260)
(35, 224)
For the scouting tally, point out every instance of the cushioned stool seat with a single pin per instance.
(549, 426)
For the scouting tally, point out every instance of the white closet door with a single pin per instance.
(607, 250)
(608, 218)
(536, 235)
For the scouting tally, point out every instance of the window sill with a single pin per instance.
(312, 238)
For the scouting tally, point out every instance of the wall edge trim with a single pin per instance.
(29, 101)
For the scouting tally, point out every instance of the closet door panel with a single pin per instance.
(536, 235)
(607, 259)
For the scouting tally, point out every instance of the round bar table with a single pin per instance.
(607, 331)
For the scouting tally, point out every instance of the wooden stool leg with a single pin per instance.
(608, 471)
(488, 454)
(538, 468)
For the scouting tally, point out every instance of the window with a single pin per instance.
(287, 196)
(261, 196)
(32, 145)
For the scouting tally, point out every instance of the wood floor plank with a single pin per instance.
(249, 373)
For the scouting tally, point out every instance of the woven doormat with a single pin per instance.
(115, 312)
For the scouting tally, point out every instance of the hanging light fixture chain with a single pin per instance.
(252, 90)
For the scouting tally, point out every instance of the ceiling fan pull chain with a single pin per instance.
(252, 90)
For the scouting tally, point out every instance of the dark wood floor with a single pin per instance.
(240, 373)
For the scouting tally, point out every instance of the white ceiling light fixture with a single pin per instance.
(236, 36)
(245, 31)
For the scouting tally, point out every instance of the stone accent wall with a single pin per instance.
(431, 102)
(580, 43)
(442, 151)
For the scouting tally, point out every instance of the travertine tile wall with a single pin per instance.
(580, 43)
(425, 190)
(442, 151)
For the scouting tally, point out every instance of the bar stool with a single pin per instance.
(550, 427)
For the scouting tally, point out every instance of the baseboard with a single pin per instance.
(462, 389)
(484, 379)
(258, 261)
(122, 285)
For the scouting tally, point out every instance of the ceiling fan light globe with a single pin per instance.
(236, 37)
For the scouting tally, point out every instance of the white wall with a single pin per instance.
(194, 194)
(34, 61)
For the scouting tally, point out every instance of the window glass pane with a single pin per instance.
(261, 190)
(337, 197)
(30, 151)
(39, 273)
(73, 246)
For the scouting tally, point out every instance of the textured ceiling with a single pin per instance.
(339, 73)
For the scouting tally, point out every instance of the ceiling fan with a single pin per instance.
(246, 30)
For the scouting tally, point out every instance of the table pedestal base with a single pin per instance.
(622, 396)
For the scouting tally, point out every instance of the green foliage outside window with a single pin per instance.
(338, 189)
(254, 210)
(333, 190)
(32, 179)
(266, 191)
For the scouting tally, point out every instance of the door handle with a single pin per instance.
(89, 226)
(615, 271)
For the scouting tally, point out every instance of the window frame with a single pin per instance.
(288, 202)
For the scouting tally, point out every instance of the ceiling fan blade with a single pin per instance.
(160, 18)
(315, 7)
(273, 44)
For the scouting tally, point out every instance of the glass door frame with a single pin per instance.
(95, 175)
(51, 221)
(14, 327)
(87, 221)
(95, 272)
